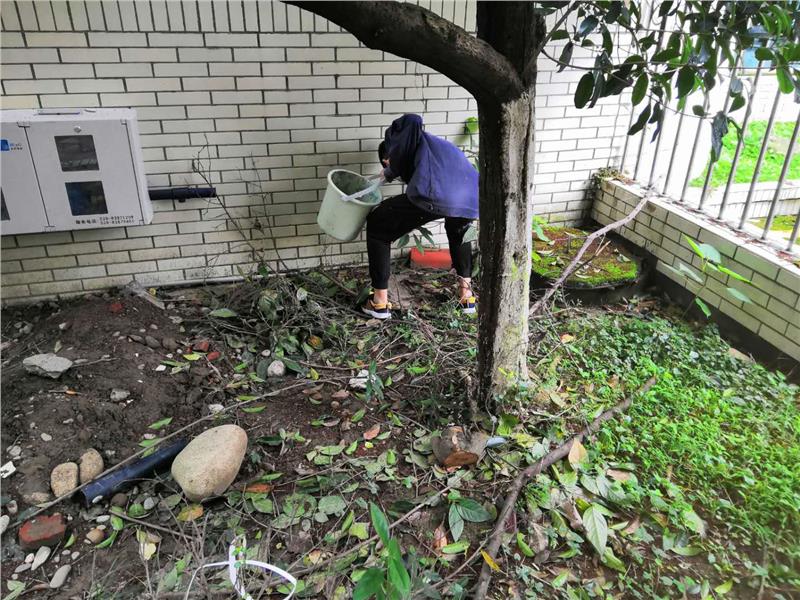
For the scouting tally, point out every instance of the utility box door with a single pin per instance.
(86, 173)
(22, 207)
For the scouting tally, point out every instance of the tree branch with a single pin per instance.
(495, 539)
(542, 302)
(416, 33)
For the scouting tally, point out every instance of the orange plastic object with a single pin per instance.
(431, 259)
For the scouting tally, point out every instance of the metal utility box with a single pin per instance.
(63, 169)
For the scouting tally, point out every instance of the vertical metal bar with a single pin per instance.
(627, 139)
(795, 231)
(643, 133)
(785, 169)
(760, 160)
(713, 164)
(672, 156)
(660, 124)
(694, 150)
(740, 143)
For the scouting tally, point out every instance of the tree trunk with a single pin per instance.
(506, 194)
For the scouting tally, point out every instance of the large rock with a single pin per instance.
(210, 462)
(64, 478)
(42, 531)
(91, 465)
(47, 365)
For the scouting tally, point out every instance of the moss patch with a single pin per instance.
(610, 263)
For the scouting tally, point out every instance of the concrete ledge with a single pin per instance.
(774, 311)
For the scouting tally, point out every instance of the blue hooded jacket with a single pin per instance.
(439, 178)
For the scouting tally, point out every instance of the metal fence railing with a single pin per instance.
(754, 184)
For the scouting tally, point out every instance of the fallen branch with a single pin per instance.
(550, 458)
(539, 305)
(69, 494)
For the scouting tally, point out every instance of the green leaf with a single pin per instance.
(687, 550)
(379, 522)
(160, 424)
(108, 541)
(764, 53)
(523, 546)
(332, 505)
(733, 274)
(566, 56)
(596, 528)
(587, 26)
(690, 272)
(455, 522)
(739, 295)
(724, 588)
(612, 562)
(15, 589)
(223, 313)
(685, 81)
(693, 521)
(583, 92)
(640, 88)
(472, 511)
(117, 523)
(785, 82)
(641, 121)
(263, 504)
(738, 102)
(369, 585)
(149, 443)
(358, 415)
(398, 575)
(704, 307)
(456, 547)
(711, 253)
(192, 356)
(561, 579)
(253, 409)
(359, 531)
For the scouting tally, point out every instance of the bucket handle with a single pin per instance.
(368, 190)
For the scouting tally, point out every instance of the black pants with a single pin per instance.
(397, 216)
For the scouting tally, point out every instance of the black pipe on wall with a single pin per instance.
(181, 194)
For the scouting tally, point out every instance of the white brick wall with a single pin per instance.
(773, 314)
(274, 97)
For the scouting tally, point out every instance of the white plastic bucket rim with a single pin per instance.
(354, 198)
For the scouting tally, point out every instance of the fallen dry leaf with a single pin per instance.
(340, 395)
(439, 539)
(372, 432)
(258, 488)
(577, 453)
(618, 475)
(632, 527)
(567, 338)
(490, 561)
(190, 513)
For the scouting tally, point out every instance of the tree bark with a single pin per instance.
(506, 196)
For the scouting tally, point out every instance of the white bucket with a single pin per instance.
(347, 202)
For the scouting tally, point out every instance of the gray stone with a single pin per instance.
(119, 499)
(276, 369)
(210, 462)
(46, 437)
(60, 577)
(64, 478)
(14, 451)
(91, 465)
(118, 395)
(22, 568)
(96, 535)
(64, 326)
(12, 507)
(42, 554)
(170, 344)
(149, 503)
(215, 408)
(4, 521)
(152, 342)
(47, 365)
(136, 338)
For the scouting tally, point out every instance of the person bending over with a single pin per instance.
(440, 182)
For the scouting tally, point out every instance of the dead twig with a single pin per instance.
(482, 587)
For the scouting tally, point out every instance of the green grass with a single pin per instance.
(773, 159)
(780, 223)
(724, 431)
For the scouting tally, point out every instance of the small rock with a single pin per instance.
(170, 344)
(201, 346)
(42, 554)
(7, 469)
(74, 555)
(739, 355)
(359, 382)
(60, 577)
(14, 451)
(212, 356)
(22, 568)
(42, 531)
(215, 408)
(276, 369)
(149, 503)
(64, 478)
(36, 497)
(119, 499)
(12, 507)
(64, 326)
(91, 465)
(47, 365)
(160, 368)
(116, 307)
(210, 462)
(136, 338)
(118, 395)
(29, 558)
(46, 437)
(103, 519)
(4, 521)
(335, 404)
(96, 535)
(152, 342)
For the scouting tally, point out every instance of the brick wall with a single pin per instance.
(271, 97)
(774, 311)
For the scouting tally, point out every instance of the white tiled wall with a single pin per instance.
(270, 97)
